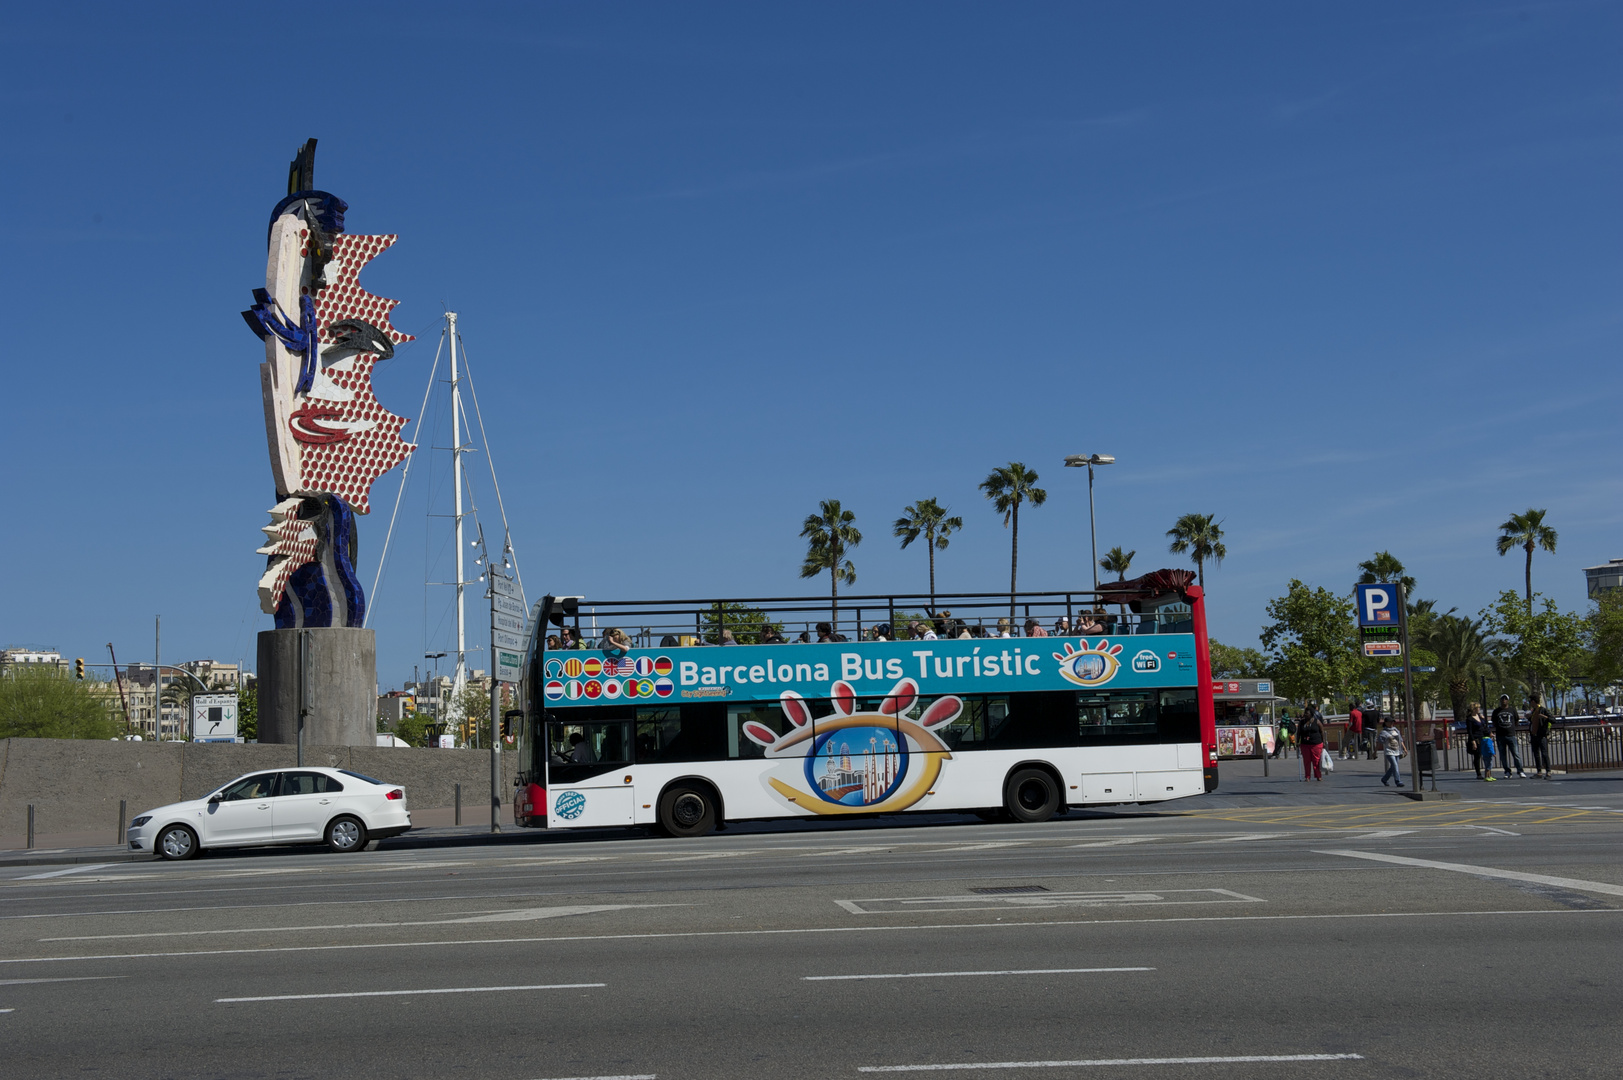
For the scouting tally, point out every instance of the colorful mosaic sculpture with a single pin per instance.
(330, 438)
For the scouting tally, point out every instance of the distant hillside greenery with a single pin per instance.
(40, 701)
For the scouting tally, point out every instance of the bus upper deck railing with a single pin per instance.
(1155, 603)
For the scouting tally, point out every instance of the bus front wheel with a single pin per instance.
(687, 810)
(1031, 795)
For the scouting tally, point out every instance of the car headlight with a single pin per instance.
(140, 821)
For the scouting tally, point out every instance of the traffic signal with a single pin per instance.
(79, 668)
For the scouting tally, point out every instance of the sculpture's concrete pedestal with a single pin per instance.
(339, 680)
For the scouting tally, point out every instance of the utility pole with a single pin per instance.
(460, 681)
(157, 676)
(1408, 692)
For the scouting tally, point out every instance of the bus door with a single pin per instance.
(589, 778)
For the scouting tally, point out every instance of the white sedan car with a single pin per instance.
(339, 808)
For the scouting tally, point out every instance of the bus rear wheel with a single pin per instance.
(1031, 795)
(687, 810)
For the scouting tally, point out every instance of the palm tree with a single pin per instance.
(1117, 562)
(1527, 531)
(928, 519)
(830, 535)
(1008, 487)
(1385, 567)
(1464, 654)
(1202, 537)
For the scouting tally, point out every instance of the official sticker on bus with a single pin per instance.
(570, 805)
(1093, 665)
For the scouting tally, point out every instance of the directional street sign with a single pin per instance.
(501, 639)
(509, 605)
(509, 665)
(214, 717)
(1383, 648)
(1399, 671)
(502, 621)
(504, 586)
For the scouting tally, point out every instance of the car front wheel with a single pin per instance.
(346, 834)
(177, 842)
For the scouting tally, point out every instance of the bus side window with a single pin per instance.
(967, 731)
(1179, 720)
(691, 732)
(1029, 720)
(766, 713)
(1116, 716)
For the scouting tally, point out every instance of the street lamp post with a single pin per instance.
(1076, 461)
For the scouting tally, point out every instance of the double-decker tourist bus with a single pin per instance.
(686, 714)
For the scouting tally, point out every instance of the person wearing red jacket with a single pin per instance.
(1354, 741)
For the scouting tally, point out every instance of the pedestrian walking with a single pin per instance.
(1310, 736)
(1504, 734)
(1354, 741)
(1287, 735)
(1390, 742)
(1539, 723)
(1475, 729)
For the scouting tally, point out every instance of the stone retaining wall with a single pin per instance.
(75, 784)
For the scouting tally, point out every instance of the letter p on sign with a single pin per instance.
(1377, 605)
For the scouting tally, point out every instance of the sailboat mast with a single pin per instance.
(461, 679)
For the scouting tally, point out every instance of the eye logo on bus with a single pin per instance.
(1094, 665)
(856, 760)
(570, 805)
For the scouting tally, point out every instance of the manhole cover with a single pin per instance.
(1003, 890)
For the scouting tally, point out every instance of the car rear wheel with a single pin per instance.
(1031, 795)
(687, 811)
(346, 834)
(177, 842)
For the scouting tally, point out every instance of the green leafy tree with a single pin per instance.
(413, 729)
(1463, 654)
(1201, 536)
(829, 536)
(1008, 487)
(40, 701)
(1526, 531)
(1312, 643)
(248, 712)
(1603, 640)
(748, 624)
(929, 519)
(1543, 645)
(1232, 662)
(1385, 567)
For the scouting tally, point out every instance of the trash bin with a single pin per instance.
(1425, 758)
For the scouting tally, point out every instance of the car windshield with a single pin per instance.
(361, 776)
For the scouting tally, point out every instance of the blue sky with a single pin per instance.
(1345, 276)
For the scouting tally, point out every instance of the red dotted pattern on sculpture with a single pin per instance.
(343, 298)
(292, 544)
(348, 467)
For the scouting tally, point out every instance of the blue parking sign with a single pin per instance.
(1377, 604)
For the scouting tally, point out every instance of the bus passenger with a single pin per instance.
(1062, 626)
(1034, 628)
(1003, 628)
(668, 641)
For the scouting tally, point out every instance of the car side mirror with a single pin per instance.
(216, 797)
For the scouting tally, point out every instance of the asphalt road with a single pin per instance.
(1281, 933)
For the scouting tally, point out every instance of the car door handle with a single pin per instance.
(263, 806)
(324, 802)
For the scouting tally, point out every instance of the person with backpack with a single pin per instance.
(1287, 735)
(1539, 723)
(1504, 733)
(1310, 736)
(1391, 745)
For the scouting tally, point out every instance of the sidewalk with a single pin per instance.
(1241, 783)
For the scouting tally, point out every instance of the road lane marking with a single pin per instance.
(896, 905)
(1243, 837)
(411, 993)
(65, 873)
(968, 974)
(71, 978)
(655, 936)
(1382, 834)
(1250, 1059)
(521, 915)
(1118, 843)
(1576, 884)
(618, 1076)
